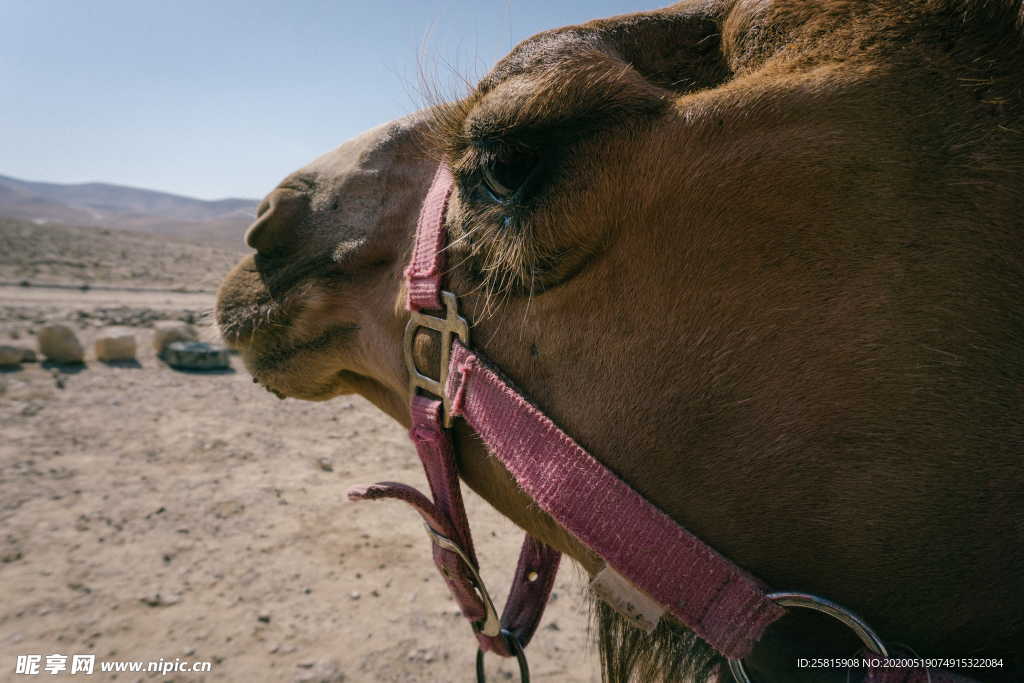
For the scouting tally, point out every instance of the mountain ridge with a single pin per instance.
(100, 204)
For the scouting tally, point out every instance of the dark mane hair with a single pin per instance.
(670, 653)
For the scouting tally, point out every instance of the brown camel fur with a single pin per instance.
(764, 259)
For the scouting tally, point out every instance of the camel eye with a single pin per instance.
(505, 174)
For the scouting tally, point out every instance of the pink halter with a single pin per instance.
(657, 564)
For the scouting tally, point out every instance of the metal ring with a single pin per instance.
(851, 620)
(517, 648)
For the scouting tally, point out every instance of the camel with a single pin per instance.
(763, 259)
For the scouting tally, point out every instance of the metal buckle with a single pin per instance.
(807, 601)
(491, 625)
(451, 324)
(517, 648)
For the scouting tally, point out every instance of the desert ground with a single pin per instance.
(148, 513)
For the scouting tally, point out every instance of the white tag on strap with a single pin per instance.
(626, 599)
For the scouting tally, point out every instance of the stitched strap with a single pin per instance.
(538, 563)
(531, 587)
(434, 446)
(423, 276)
(446, 514)
(721, 603)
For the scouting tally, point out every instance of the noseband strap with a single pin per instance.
(445, 516)
(650, 557)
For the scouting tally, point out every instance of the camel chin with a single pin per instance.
(316, 383)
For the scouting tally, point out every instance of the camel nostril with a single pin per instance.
(279, 225)
(252, 236)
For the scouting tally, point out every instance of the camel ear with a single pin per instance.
(677, 48)
(280, 215)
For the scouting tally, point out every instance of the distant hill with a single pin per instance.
(43, 254)
(221, 222)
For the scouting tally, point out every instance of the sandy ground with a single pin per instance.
(147, 514)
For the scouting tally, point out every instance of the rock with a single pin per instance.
(328, 671)
(115, 343)
(422, 654)
(8, 555)
(59, 344)
(10, 357)
(158, 600)
(227, 508)
(196, 356)
(169, 331)
(31, 409)
(326, 464)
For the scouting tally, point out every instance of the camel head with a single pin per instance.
(762, 259)
(314, 311)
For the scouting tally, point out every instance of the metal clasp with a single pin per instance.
(517, 648)
(491, 625)
(852, 621)
(451, 324)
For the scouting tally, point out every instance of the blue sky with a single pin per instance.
(224, 98)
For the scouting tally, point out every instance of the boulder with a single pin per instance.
(168, 331)
(114, 344)
(196, 356)
(10, 356)
(58, 343)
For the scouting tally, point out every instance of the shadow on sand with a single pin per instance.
(190, 371)
(64, 368)
(127, 364)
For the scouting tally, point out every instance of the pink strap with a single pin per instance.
(531, 587)
(423, 276)
(538, 563)
(435, 451)
(722, 604)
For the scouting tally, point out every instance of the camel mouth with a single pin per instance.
(273, 356)
(239, 324)
(311, 369)
(272, 390)
(342, 382)
(282, 342)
